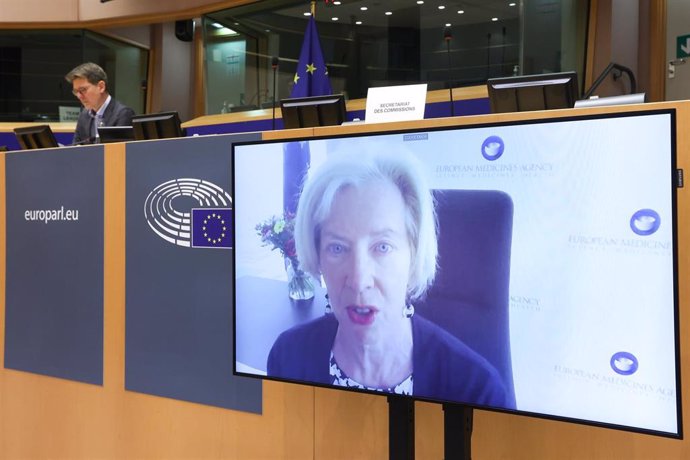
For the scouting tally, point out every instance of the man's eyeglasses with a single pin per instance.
(82, 90)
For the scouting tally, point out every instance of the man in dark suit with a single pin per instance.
(90, 85)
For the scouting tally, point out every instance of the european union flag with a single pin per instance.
(311, 78)
(211, 228)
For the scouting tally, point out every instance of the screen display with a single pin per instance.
(525, 267)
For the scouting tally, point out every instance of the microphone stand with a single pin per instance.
(488, 55)
(503, 49)
(274, 64)
(447, 36)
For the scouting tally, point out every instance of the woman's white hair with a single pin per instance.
(354, 169)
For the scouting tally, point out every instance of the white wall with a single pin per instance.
(174, 73)
(624, 44)
(677, 23)
(173, 62)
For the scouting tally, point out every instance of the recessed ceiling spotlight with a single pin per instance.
(336, 3)
(441, 7)
(359, 23)
(388, 13)
(461, 11)
(494, 19)
(420, 2)
(363, 8)
(512, 4)
(448, 24)
(307, 13)
(217, 25)
(334, 19)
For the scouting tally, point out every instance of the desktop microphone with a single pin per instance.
(274, 65)
(448, 36)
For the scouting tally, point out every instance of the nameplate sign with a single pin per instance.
(68, 114)
(395, 103)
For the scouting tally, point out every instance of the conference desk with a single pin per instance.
(46, 417)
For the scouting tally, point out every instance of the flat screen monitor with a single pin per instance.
(533, 92)
(556, 289)
(35, 137)
(108, 134)
(157, 126)
(309, 112)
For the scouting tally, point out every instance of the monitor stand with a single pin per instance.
(400, 428)
(457, 431)
(457, 426)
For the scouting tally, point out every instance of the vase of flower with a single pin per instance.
(300, 284)
(277, 233)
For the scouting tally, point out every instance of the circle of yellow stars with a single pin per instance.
(208, 219)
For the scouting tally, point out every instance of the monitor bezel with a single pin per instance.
(35, 137)
(115, 134)
(565, 83)
(161, 125)
(557, 119)
(300, 112)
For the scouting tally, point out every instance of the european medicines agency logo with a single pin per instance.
(190, 212)
(492, 148)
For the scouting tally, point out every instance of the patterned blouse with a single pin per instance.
(341, 379)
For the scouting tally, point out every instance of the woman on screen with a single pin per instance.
(367, 225)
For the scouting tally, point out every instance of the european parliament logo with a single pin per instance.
(190, 212)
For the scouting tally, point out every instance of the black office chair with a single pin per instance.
(470, 297)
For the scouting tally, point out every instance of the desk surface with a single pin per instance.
(262, 311)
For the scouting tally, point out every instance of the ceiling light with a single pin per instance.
(358, 22)
(336, 3)
(363, 8)
(225, 31)
(448, 24)
(441, 7)
(388, 13)
(217, 25)
(307, 13)
(334, 19)
(420, 2)
(494, 19)
(512, 4)
(461, 11)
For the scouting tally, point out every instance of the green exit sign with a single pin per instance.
(683, 46)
